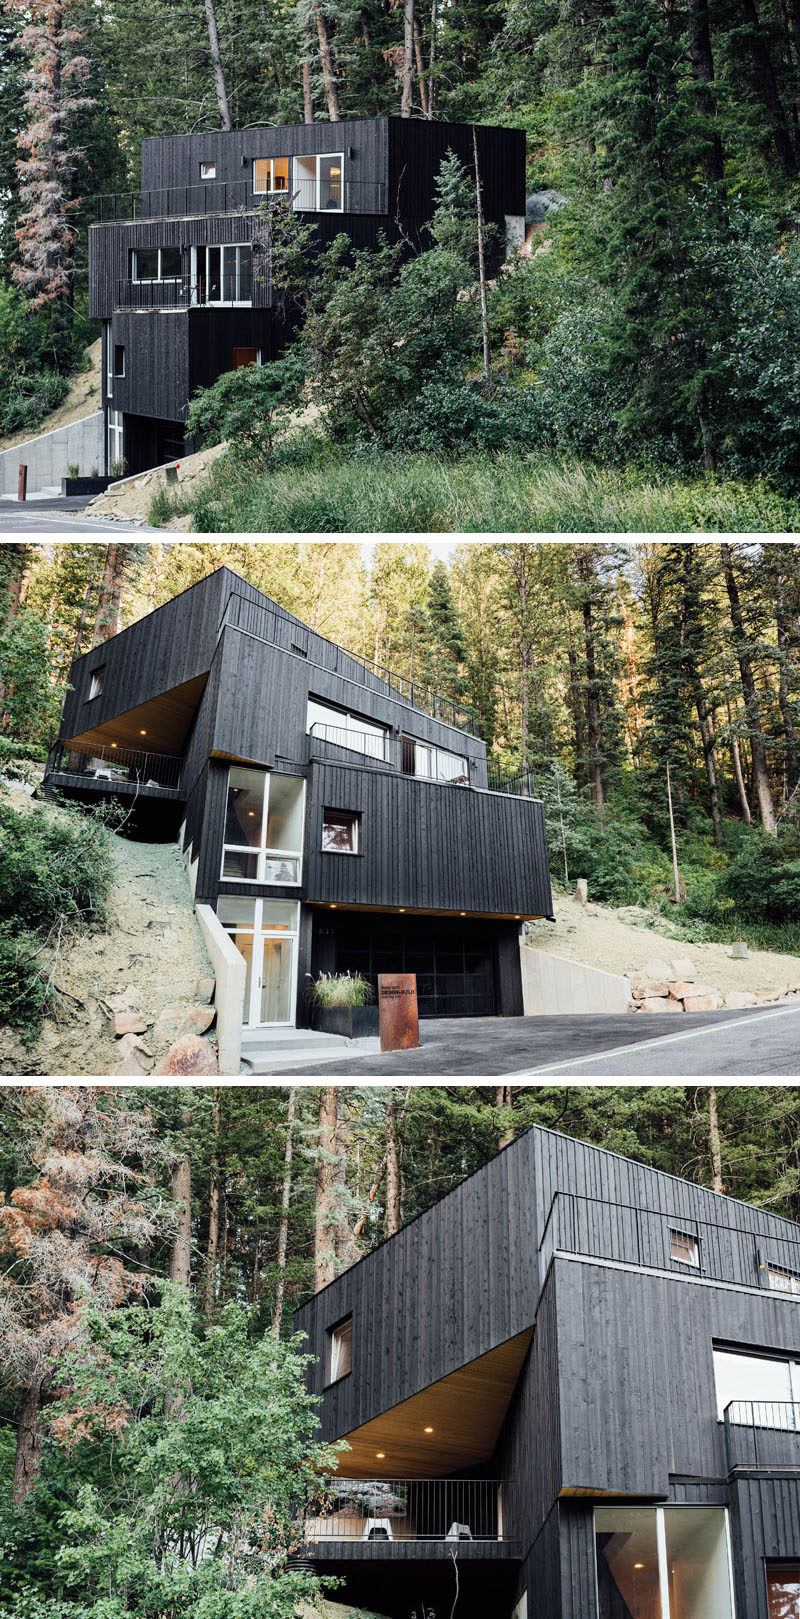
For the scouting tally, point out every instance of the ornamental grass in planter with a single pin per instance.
(342, 1004)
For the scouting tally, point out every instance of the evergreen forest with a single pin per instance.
(157, 1443)
(636, 370)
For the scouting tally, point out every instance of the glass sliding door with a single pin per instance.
(663, 1563)
(264, 932)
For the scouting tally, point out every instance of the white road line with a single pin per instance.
(656, 1040)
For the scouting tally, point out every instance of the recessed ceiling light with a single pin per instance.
(143, 733)
(429, 1430)
(113, 744)
(380, 1455)
(638, 1565)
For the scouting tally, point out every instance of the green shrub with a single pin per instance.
(31, 703)
(762, 883)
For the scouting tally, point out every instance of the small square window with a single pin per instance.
(783, 1281)
(341, 831)
(96, 682)
(339, 1350)
(119, 359)
(684, 1248)
(208, 171)
(783, 1589)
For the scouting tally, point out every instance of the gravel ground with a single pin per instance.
(620, 942)
(152, 944)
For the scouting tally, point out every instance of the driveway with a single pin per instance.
(61, 514)
(714, 1045)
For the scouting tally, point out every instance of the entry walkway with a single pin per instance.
(277, 1051)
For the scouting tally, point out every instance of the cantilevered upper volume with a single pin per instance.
(580, 1377)
(179, 272)
(336, 816)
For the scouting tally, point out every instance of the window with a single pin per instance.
(246, 356)
(346, 730)
(340, 832)
(684, 1249)
(115, 439)
(330, 191)
(783, 1590)
(521, 1609)
(264, 932)
(339, 1351)
(263, 827)
(222, 275)
(663, 1563)
(119, 359)
(208, 171)
(783, 1281)
(270, 174)
(436, 764)
(156, 263)
(760, 1390)
(96, 682)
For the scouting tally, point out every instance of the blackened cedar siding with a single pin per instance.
(174, 160)
(168, 647)
(110, 248)
(427, 845)
(416, 152)
(765, 1525)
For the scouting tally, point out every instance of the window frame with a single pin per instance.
(321, 157)
(194, 278)
(208, 165)
(661, 1542)
(330, 1340)
(344, 717)
(792, 1276)
(352, 815)
(693, 1241)
(272, 190)
(94, 675)
(119, 350)
(153, 280)
(791, 1363)
(263, 852)
(116, 433)
(775, 1565)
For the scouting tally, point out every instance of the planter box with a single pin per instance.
(351, 1021)
(85, 486)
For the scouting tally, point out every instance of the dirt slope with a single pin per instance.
(152, 944)
(622, 941)
(85, 396)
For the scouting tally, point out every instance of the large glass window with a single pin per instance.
(663, 1563)
(783, 1281)
(156, 264)
(345, 729)
(270, 174)
(438, 764)
(757, 1390)
(330, 191)
(783, 1590)
(223, 275)
(263, 827)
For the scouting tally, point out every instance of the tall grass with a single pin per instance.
(390, 493)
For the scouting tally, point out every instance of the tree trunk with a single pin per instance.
(423, 89)
(406, 100)
(326, 58)
(504, 1098)
(108, 618)
(487, 358)
(283, 1229)
(760, 772)
(216, 65)
(325, 1187)
(789, 733)
(593, 722)
(180, 1258)
(393, 1214)
(709, 755)
(702, 59)
(737, 766)
(213, 1215)
(577, 719)
(18, 581)
(714, 1142)
(28, 1458)
(308, 95)
(768, 87)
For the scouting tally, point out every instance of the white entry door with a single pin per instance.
(265, 933)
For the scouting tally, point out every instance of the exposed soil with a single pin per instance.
(620, 942)
(151, 955)
(84, 398)
(324, 1609)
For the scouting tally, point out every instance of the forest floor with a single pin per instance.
(625, 940)
(152, 948)
(85, 396)
(323, 1609)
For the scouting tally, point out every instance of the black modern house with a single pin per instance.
(573, 1384)
(179, 273)
(336, 817)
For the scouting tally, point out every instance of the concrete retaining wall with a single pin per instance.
(231, 973)
(551, 984)
(48, 456)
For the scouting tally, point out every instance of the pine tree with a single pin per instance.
(444, 651)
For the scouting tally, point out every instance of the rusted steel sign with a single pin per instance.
(397, 997)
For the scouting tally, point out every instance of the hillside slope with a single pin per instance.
(84, 397)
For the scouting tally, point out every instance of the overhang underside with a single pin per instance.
(158, 726)
(465, 1411)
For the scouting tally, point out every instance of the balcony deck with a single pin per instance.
(100, 769)
(762, 1436)
(220, 197)
(410, 1519)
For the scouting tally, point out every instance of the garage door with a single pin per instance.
(453, 961)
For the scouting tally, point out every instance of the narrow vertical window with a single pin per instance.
(339, 1350)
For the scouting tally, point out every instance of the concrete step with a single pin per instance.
(279, 1057)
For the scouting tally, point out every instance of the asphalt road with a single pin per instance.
(716, 1045)
(61, 515)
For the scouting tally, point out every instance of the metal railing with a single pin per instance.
(762, 1433)
(265, 624)
(237, 197)
(181, 293)
(379, 1511)
(327, 741)
(108, 766)
(518, 783)
(600, 1229)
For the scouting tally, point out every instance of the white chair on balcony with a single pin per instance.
(377, 1529)
(459, 1531)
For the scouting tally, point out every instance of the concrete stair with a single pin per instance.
(277, 1051)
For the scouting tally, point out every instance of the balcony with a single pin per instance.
(431, 1518)
(762, 1435)
(109, 768)
(622, 1233)
(236, 197)
(183, 293)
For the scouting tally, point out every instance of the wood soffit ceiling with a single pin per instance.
(465, 1411)
(165, 720)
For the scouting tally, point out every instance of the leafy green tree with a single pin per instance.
(246, 407)
(31, 703)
